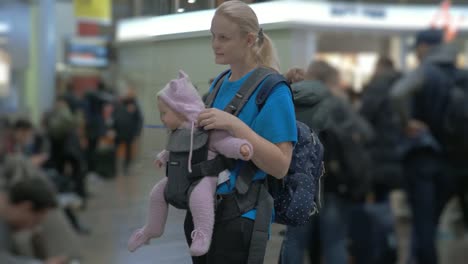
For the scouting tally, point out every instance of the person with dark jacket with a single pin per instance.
(387, 171)
(94, 103)
(378, 110)
(128, 122)
(421, 98)
(319, 104)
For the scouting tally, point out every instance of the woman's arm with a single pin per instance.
(274, 159)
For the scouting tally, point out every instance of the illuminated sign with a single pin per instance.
(99, 10)
(287, 14)
(87, 52)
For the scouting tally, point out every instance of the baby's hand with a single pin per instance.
(245, 152)
(158, 163)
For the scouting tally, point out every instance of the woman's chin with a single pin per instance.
(220, 61)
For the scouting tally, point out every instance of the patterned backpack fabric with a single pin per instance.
(297, 196)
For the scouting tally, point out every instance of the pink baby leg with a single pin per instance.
(157, 215)
(201, 205)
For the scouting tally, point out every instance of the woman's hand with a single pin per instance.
(415, 128)
(213, 118)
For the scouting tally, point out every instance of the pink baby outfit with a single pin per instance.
(183, 98)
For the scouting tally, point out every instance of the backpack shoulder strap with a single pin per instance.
(267, 87)
(270, 81)
(247, 89)
(217, 85)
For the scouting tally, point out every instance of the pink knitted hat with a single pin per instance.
(182, 97)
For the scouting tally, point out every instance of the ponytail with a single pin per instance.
(265, 52)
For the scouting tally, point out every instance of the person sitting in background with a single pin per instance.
(29, 143)
(23, 207)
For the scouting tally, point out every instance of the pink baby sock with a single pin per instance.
(156, 221)
(201, 205)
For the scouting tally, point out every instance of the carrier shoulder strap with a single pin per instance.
(214, 92)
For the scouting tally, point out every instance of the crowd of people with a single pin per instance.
(44, 169)
(399, 134)
(404, 132)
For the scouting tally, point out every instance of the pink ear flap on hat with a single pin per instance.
(182, 74)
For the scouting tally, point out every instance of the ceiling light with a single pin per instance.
(191, 1)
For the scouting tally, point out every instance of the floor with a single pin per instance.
(118, 206)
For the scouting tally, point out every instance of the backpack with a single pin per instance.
(60, 123)
(455, 119)
(347, 158)
(296, 197)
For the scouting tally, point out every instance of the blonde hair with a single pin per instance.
(243, 16)
(294, 75)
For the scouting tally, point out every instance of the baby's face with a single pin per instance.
(169, 118)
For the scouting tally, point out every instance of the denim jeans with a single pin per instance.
(429, 187)
(331, 224)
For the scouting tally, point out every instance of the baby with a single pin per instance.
(179, 105)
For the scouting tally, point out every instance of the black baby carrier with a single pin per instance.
(185, 147)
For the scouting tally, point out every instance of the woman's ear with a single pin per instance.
(251, 39)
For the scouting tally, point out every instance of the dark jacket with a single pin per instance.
(313, 102)
(128, 124)
(378, 110)
(423, 93)
(325, 113)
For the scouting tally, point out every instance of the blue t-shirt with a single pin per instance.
(276, 122)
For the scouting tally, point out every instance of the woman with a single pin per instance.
(238, 41)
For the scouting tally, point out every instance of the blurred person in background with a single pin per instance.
(67, 165)
(311, 103)
(61, 126)
(459, 161)
(15, 166)
(421, 98)
(94, 103)
(320, 104)
(23, 207)
(387, 175)
(106, 149)
(128, 123)
(30, 142)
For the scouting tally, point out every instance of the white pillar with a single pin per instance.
(303, 47)
(176, 5)
(398, 51)
(403, 53)
(466, 55)
(46, 54)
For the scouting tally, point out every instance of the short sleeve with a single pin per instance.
(276, 121)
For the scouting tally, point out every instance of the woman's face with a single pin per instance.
(230, 45)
